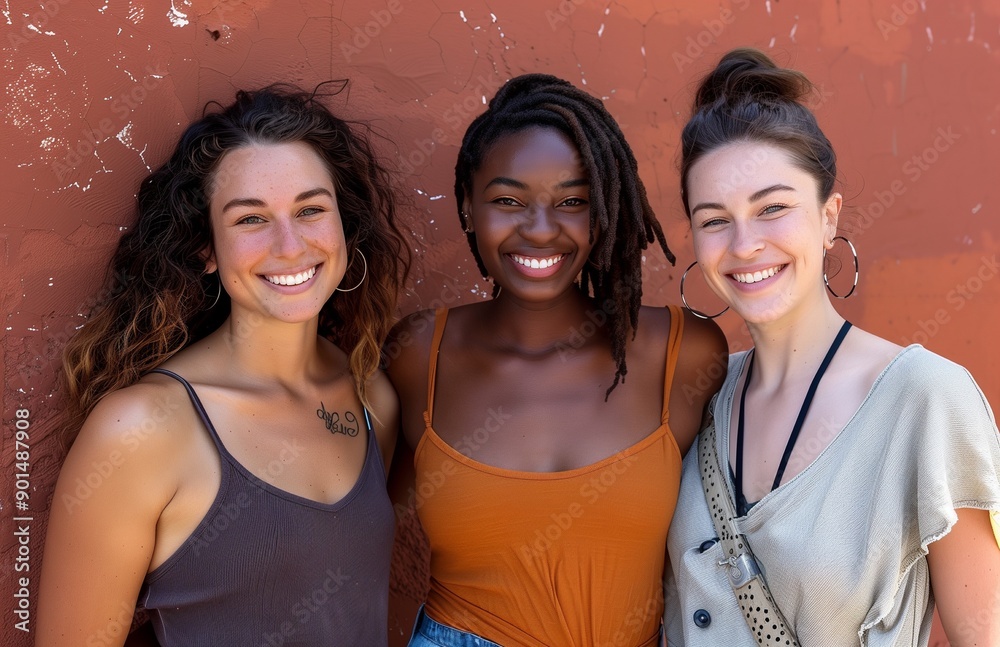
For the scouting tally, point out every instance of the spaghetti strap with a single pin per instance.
(440, 317)
(673, 351)
(198, 406)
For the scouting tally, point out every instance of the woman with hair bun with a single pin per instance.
(233, 415)
(544, 479)
(848, 476)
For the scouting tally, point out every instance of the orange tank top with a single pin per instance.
(570, 558)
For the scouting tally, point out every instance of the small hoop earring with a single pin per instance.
(466, 225)
(218, 292)
(826, 281)
(697, 313)
(363, 260)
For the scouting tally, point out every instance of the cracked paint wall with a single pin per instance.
(95, 94)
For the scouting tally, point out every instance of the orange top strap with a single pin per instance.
(440, 317)
(673, 350)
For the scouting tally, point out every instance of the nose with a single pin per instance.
(540, 223)
(289, 241)
(746, 240)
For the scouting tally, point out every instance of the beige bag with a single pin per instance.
(763, 617)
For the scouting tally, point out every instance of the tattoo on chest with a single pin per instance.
(337, 424)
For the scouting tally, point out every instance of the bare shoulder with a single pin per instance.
(385, 413)
(869, 354)
(148, 420)
(407, 344)
(702, 362)
(406, 359)
(702, 342)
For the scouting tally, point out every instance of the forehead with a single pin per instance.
(534, 151)
(739, 169)
(278, 169)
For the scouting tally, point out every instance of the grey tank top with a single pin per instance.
(267, 567)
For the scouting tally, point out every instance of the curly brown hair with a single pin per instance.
(157, 297)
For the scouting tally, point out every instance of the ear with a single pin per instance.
(831, 216)
(467, 216)
(208, 256)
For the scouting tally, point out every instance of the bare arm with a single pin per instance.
(102, 527)
(385, 407)
(406, 357)
(701, 369)
(965, 576)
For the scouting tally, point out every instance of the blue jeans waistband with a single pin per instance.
(428, 633)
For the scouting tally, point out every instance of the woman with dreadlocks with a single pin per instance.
(545, 480)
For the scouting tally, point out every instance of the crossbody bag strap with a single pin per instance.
(761, 613)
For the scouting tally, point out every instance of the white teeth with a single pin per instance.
(757, 276)
(537, 263)
(291, 279)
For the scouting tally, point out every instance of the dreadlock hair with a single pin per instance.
(619, 209)
(157, 298)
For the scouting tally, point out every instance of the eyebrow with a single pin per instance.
(506, 181)
(516, 184)
(257, 202)
(753, 197)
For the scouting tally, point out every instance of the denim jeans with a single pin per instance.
(428, 633)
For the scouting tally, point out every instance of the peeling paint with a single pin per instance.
(81, 136)
(177, 17)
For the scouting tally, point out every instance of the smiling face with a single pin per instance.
(278, 241)
(759, 230)
(530, 209)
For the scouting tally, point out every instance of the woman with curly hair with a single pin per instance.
(234, 428)
(544, 479)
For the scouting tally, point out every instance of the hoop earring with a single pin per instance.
(466, 226)
(365, 261)
(218, 292)
(826, 281)
(697, 313)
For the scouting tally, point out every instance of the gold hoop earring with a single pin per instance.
(363, 260)
(826, 281)
(697, 313)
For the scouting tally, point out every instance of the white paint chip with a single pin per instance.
(177, 17)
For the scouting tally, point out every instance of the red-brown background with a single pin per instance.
(95, 94)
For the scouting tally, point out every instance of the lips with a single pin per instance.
(535, 263)
(759, 275)
(291, 279)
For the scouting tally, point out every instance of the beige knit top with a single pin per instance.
(843, 545)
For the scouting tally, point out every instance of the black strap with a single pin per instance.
(742, 506)
(200, 408)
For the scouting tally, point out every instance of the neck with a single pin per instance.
(537, 328)
(269, 351)
(789, 351)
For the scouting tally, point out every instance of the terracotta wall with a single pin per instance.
(94, 95)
